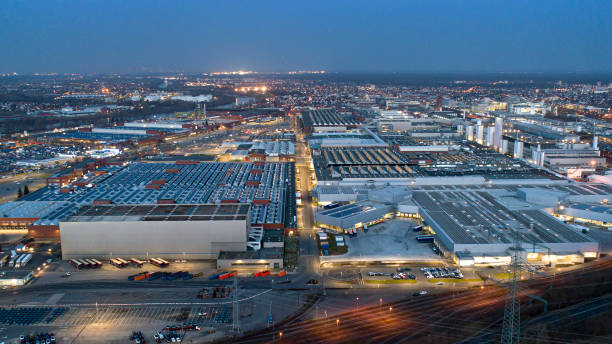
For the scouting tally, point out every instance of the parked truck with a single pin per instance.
(25, 260)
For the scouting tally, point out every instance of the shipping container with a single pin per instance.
(154, 276)
(228, 275)
(262, 273)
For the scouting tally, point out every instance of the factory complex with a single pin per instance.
(469, 191)
(471, 224)
(184, 209)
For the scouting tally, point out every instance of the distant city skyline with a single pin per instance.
(340, 36)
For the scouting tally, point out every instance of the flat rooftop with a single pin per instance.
(476, 217)
(361, 162)
(327, 118)
(269, 186)
(161, 212)
(350, 209)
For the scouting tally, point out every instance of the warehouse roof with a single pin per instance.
(38, 209)
(351, 209)
(161, 212)
(327, 117)
(476, 217)
(269, 185)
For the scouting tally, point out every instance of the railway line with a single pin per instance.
(441, 318)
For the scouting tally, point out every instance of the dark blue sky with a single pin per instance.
(392, 36)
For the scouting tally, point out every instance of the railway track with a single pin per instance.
(441, 318)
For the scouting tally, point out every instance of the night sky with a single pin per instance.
(131, 36)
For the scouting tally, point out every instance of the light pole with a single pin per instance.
(337, 322)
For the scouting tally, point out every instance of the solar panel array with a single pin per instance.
(191, 184)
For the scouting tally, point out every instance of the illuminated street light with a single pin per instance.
(337, 322)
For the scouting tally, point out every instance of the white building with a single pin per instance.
(188, 231)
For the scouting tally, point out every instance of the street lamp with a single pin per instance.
(337, 322)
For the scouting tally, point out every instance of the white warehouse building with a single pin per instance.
(186, 231)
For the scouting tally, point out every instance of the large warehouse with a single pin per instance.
(187, 231)
(474, 227)
(268, 187)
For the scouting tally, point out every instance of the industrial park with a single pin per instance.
(304, 205)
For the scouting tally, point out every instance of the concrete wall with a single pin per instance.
(165, 239)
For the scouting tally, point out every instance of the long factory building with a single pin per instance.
(473, 224)
(160, 206)
(269, 187)
(475, 227)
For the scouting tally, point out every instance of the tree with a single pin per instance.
(19, 193)
(26, 190)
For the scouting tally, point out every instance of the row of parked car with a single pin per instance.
(37, 338)
(402, 273)
(431, 272)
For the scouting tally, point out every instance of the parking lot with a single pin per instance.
(402, 274)
(389, 241)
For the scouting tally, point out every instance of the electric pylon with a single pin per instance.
(511, 328)
(236, 311)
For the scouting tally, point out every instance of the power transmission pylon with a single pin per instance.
(511, 328)
(236, 312)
